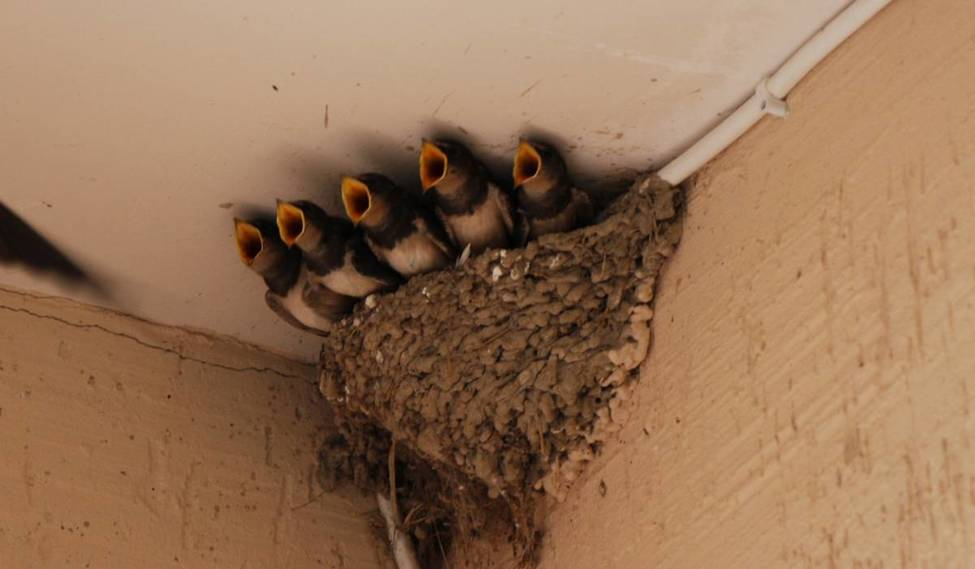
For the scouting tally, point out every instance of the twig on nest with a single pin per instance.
(399, 541)
(392, 478)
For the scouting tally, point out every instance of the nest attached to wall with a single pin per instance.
(512, 369)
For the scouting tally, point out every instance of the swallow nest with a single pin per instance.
(512, 369)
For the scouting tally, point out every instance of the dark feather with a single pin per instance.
(326, 302)
(21, 244)
(367, 264)
(507, 209)
(274, 303)
(585, 212)
(435, 230)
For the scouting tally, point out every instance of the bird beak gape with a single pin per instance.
(528, 163)
(291, 222)
(433, 165)
(356, 198)
(249, 241)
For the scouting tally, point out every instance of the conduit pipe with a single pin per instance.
(770, 93)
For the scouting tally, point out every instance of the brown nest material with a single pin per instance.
(511, 370)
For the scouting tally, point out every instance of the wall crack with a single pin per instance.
(180, 356)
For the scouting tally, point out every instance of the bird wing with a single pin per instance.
(428, 224)
(446, 226)
(511, 217)
(368, 264)
(326, 302)
(22, 244)
(274, 303)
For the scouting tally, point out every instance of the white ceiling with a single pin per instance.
(133, 131)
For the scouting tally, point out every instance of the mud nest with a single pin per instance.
(511, 370)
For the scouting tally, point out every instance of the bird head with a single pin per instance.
(368, 199)
(537, 166)
(303, 223)
(445, 164)
(258, 244)
(291, 222)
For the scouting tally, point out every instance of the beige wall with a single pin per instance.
(126, 444)
(808, 399)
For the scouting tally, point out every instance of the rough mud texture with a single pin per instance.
(512, 369)
(441, 508)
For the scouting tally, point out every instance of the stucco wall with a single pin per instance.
(127, 444)
(808, 398)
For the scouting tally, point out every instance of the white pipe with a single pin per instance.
(769, 95)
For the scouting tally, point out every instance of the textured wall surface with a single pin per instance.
(808, 398)
(127, 444)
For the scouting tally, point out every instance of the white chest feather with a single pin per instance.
(347, 280)
(482, 229)
(413, 255)
(295, 304)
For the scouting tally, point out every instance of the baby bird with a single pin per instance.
(474, 211)
(546, 197)
(291, 293)
(401, 232)
(333, 250)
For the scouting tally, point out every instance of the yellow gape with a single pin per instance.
(291, 222)
(356, 199)
(528, 163)
(249, 241)
(433, 165)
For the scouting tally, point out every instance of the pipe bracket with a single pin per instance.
(770, 104)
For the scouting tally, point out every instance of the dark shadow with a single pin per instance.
(395, 158)
(321, 178)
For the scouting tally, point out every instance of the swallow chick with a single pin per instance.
(334, 251)
(291, 293)
(474, 211)
(402, 233)
(545, 195)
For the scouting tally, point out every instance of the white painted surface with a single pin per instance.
(126, 125)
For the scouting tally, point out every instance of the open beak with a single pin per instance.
(433, 165)
(291, 222)
(249, 241)
(356, 199)
(528, 163)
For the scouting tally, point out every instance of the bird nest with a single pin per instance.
(512, 369)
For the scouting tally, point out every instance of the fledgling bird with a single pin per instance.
(291, 293)
(474, 210)
(334, 251)
(545, 194)
(401, 231)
